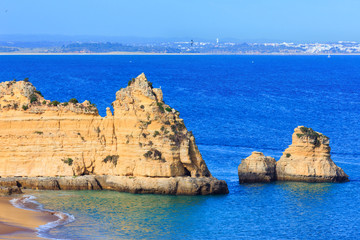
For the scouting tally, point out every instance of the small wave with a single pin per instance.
(268, 148)
(350, 163)
(28, 202)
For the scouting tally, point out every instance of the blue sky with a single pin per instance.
(283, 20)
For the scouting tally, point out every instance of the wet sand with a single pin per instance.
(16, 223)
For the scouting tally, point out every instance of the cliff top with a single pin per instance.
(142, 137)
(308, 135)
(23, 96)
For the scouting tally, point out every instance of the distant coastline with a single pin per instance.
(178, 54)
(178, 48)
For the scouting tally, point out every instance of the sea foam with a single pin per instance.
(28, 202)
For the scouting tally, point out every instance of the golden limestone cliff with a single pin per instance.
(307, 159)
(143, 138)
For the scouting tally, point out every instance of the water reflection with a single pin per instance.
(305, 198)
(306, 190)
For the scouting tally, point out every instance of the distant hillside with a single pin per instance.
(182, 47)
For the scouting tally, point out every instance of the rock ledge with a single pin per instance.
(171, 186)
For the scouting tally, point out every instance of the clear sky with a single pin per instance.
(284, 20)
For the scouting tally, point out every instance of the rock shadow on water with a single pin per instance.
(306, 190)
(297, 190)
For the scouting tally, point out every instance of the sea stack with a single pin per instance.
(307, 159)
(257, 168)
(142, 147)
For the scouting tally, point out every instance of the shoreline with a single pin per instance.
(20, 223)
(154, 185)
(172, 54)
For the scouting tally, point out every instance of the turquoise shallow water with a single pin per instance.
(234, 105)
(271, 211)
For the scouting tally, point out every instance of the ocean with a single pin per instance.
(233, 105)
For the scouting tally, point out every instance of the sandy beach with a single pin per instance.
(16, 223)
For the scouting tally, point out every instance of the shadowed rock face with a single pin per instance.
(4, 191)
(307, 159)
(257, 168)
(144, 137)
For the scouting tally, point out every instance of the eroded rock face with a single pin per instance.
(144, 137)
(308, 159)
(172, 185)
(257, 168)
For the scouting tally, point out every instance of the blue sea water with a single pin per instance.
(234, 105)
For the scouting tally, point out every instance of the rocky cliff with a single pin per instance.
(307, 159)
(143, 137)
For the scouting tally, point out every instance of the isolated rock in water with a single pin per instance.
(143, 137)
(308, 159)
(257, 168)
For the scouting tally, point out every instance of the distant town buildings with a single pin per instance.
(192, 46)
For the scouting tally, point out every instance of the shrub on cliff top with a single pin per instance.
(55, 103)
(131, 81)
(73, 100)
(309, 132)
(38, 92)
(25, 107)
